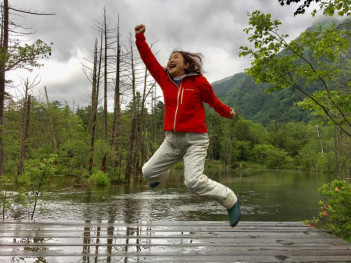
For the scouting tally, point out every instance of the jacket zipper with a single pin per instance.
(176, 111)
(181, 98)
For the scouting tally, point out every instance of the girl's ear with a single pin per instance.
(186, 65)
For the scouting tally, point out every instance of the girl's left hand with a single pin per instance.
(231, 114)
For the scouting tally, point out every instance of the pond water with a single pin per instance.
(265, 195)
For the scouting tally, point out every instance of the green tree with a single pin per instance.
(214, 124)
(245, 130)
(32, 186)
(226, 145)
(329, 7)
(271, 157)
(13, 55)
(310, 59)
(291, 137)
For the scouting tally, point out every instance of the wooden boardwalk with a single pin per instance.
(190, 241)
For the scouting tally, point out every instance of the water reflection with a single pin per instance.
(265, 196)
(123, 243)
(91, 242)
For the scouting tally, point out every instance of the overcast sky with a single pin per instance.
(211, 27)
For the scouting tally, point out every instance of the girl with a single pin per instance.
(184, 90)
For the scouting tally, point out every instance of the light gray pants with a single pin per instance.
(192, 148)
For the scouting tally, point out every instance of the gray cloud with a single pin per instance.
(212, 27)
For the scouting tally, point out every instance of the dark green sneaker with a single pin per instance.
(154, 184)
(234, 214)
(162, 179)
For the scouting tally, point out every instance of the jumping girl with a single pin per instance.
(184, 90)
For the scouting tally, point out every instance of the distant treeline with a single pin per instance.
(240, 143)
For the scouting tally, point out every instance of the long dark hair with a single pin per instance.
(194, 60)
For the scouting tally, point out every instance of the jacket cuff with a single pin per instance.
(228, 112)
(140, 36)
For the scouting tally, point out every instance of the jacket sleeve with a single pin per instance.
(208, 96)
(151, 63)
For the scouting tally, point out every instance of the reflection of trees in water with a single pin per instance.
(117, 238)
(30, 241)
(112, 213)
(86, 242)
(131, 207)
(87, 228)
(130, 210)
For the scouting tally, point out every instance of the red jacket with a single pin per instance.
(184, 110)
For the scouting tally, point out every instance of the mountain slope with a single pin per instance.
(252, 101)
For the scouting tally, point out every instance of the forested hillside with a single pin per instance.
(253, 102)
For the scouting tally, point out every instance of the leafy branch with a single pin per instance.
(310, 58)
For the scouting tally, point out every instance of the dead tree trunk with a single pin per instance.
(137, 139)
(3, 53)
(53, 137)
(320, 139)
(132, 134)
(154, 120)
(117, 109)
(131, 145)
(94, 103)
(143, 116)
(24, 133)
(24, 125)
(144, 132)
(104, 159)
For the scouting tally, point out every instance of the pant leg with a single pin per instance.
(196, 181)
(163, 159)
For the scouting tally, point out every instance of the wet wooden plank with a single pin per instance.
(192, 259)
(169, 242)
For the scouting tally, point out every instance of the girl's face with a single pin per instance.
(176, 66)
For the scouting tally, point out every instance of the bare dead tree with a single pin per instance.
(132, 134)
(25, 123)
(24, 135)
(141, 88)
(94, 101)
(108, 67)
(52, 132)
(104, 159)
(148, 88)
(117, 108)
(137, 139)
(3, 51)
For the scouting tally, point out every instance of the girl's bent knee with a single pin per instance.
(194, 186)
(146, 171)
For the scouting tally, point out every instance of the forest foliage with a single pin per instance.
(238, 143)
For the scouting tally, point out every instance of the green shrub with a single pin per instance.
(22, 201)
(213, 163)
(336, 209)
(272, 157)
(99, 178)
